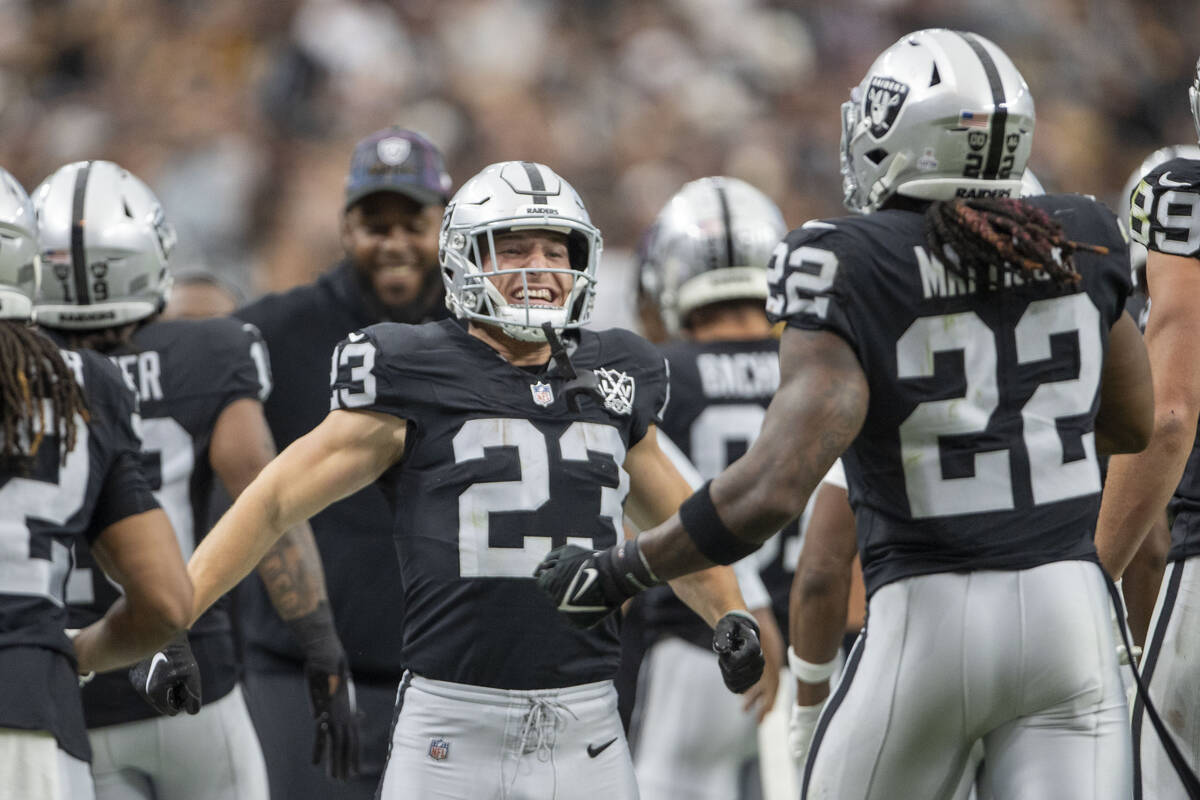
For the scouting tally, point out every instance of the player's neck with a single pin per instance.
(514, 351)
(731, 327)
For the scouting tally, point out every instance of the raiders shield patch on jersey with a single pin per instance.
(884, 99)
(616, 390)
(543, 395)
(439, 749)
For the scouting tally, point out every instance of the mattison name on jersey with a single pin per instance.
(738, 375)
(937, 281)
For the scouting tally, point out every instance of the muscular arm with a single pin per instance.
(346, 452)
(817, 412)
(140, 553)
(291, 570)
(1139, 486)
(821, 587)
(656, 490)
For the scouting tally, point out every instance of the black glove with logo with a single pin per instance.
(588, 585)
(170, 679)
(331, 692)
(739, 653)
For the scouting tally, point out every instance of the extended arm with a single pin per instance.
(1139, 486)
(346, 452)
(140, 553)
(815, 415)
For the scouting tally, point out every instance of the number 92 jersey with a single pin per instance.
(1164, 216)
(978, 450)
(498, 469)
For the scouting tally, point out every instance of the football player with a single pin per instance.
(958, 341)
(702, 279)
(200, 383)
(396, 191)
(69, 469)
(495, 439)
(1165, 219)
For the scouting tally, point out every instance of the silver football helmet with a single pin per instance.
(1194, 96)
(1137, 250)
(1030, 185)
(940, 114)
(711, 242)
(515, 196)
(19, 271)
(105, 247)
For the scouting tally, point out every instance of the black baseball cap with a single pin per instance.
(398, 160)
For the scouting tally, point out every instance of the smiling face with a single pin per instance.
(537, 252)
(393, 241)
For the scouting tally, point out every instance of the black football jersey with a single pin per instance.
(719, 395)
(185, 373)
(498, 469)
(47, 515)
(978, 448)
(1165, 216)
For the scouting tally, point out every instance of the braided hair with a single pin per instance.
(990, 240)
(32, 371)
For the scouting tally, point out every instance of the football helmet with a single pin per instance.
(1137, 250)
(1194, 96)
(105, 247)
(1030, 185)
(19, 272)
(711, 242)
(940, 114)
(516, 196)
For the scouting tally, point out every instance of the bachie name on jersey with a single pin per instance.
(739, 375)
(937, 281)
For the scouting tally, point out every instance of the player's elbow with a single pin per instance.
(166, 608)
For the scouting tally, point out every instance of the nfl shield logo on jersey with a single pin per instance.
(543, 395)
(439, 748)
(616, 388)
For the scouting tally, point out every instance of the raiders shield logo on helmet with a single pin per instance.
(616, 390)
(884, 99)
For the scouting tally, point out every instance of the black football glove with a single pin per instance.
(336, 713)
(739, 653)
(331, 692)
(170, 679)
(588, 585)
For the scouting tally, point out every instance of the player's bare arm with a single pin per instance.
(140, 553)
(823, 397)
(291, 570)
(346, 452)
(1139, 486)
(1124, 421)
(656, 490)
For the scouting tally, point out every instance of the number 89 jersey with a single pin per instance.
(978, 448)
(498, 469)
(1165, 217)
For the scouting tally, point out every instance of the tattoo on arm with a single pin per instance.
(292, 573)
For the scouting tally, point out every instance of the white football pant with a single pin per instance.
(33, 768)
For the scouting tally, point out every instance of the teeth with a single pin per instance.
(534, 294)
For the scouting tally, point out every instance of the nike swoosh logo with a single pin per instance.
(159, 658)
(1163, 180)
(594, 750)
(356, 336)
(588, 575)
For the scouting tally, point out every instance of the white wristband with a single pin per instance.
(809, 672)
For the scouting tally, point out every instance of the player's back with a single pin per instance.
(978, 450)
(48, 512)
(185, 374)
(1165, 217)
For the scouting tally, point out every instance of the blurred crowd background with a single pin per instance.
(242, 115)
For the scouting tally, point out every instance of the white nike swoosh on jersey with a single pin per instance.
(159, 658)
(1163, 180)
(356, 336)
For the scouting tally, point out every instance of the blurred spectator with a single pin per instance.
(201, 295)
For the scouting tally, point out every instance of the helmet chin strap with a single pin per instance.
(576, 384)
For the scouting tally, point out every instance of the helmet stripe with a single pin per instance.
(78, 256)
(723, 199)
(991, 168)
(536, 185)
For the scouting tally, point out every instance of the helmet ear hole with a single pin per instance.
(876, 156)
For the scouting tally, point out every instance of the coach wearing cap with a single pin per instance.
(396, 192)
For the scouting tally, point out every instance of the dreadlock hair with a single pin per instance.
(32, 371)
(1000, 242)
